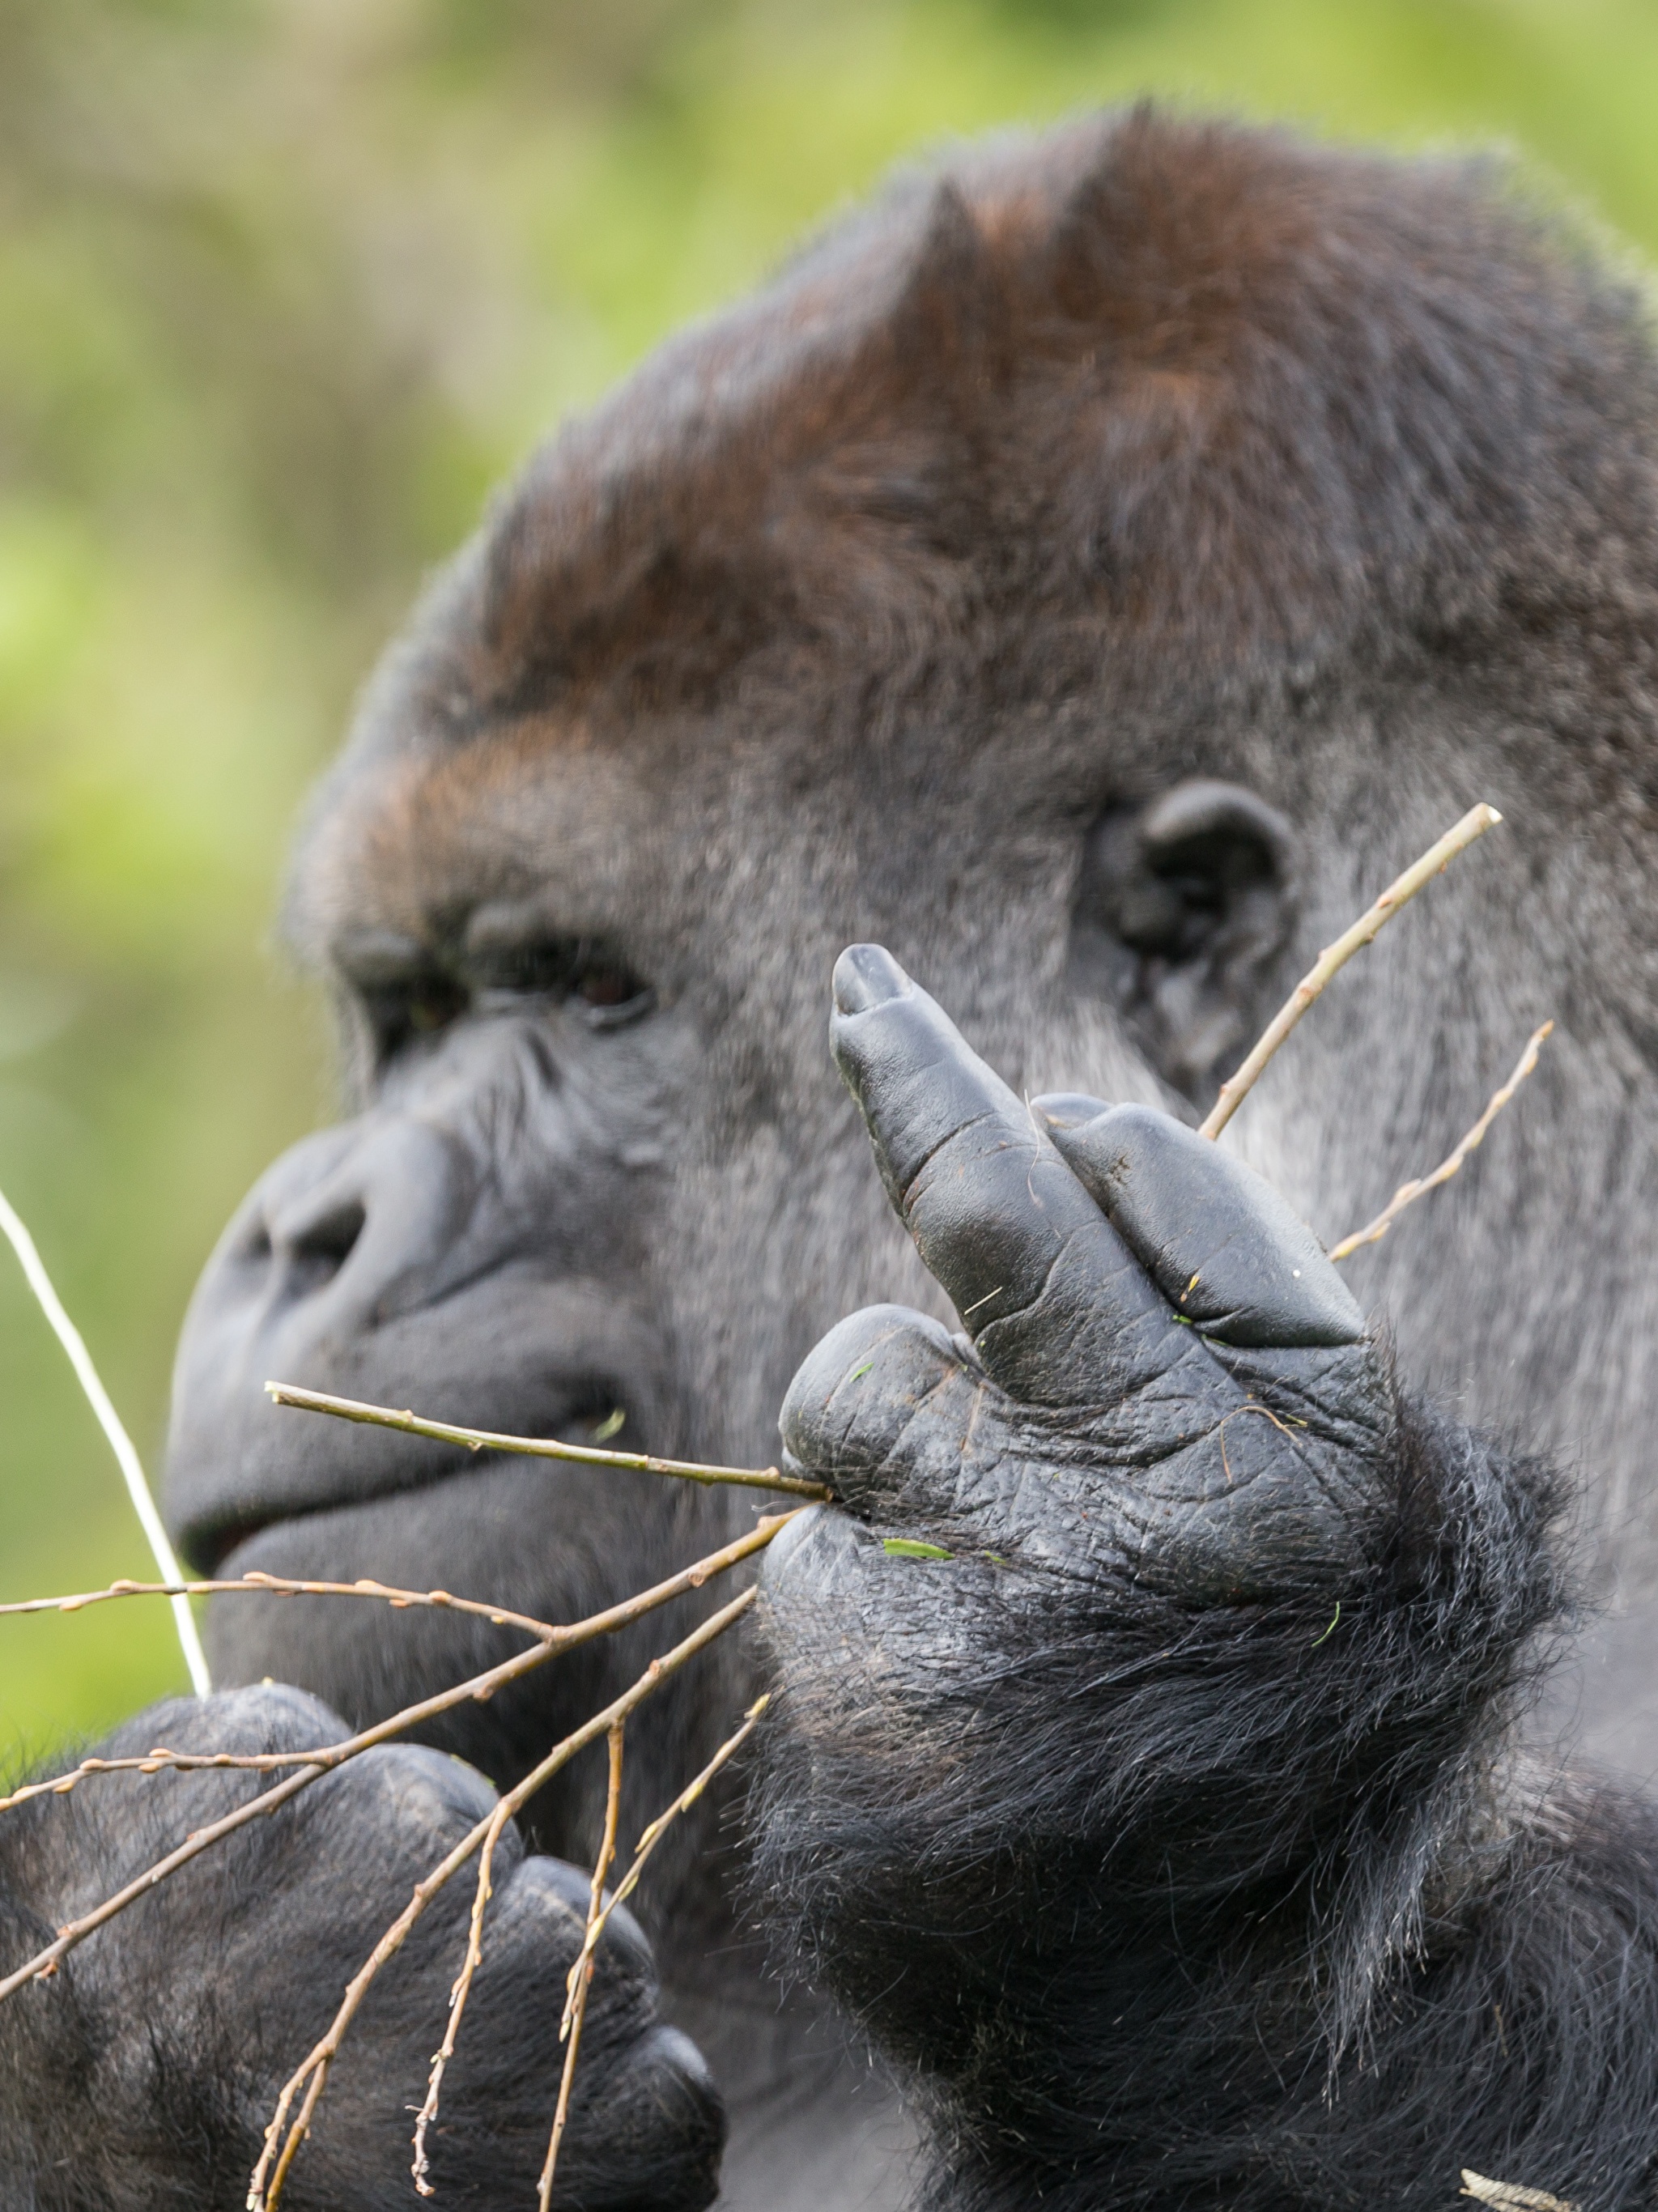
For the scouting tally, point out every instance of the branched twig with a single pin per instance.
(653, 1835)
(1474, 823)
(283, 2136)
(386, 1417)
(1408, 1193)
(312, 1763)
(580, 1977)
(596, 1922)
(126, 1457)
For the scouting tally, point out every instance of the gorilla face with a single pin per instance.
(563, 1198)
(1019, 582)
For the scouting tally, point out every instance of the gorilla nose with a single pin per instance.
(325, 1277)
(364, 1216)
(316, 1240)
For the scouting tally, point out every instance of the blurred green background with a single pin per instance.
(285, 285)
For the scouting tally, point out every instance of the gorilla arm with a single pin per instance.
(1139, 1777)
(144, 2071)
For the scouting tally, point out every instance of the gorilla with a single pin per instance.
(1077, 582)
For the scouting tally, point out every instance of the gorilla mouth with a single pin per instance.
(210, 1540)
(207, 1551)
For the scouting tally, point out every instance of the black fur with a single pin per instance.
(1164, 1894)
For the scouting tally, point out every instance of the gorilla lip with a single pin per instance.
(208, 1541)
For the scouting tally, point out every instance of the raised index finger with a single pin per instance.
(1055, 1302)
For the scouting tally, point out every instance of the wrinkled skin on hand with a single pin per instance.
(1138, 1697)
(1163, 1377)
(144, 2071)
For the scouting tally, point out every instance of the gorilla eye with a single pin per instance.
(574, 971)
(412, 1006)
(609, 993)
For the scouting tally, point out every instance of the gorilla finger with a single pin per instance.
(858, 1391)
(542, 1914)
(1021, 1249)
(1226, 1250)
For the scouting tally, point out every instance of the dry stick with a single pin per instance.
(1474, 823)
(126, 1457)
(478, 1687)
(1408, 1193)
(283, 2137)
(630, 1882)
(653, 1835)
(458, 1996)
(386, 1417)
(581, 1974)
(257, 1584)
(312, 1763)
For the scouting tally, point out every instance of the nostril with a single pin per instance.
(318, 1249)
(254, 1244)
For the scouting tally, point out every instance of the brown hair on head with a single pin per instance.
(1169, 397)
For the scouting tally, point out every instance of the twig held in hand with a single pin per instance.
(386, 1417)
(1474, 823)
(580, 1977)
(1408, 1193)
(126, 1458)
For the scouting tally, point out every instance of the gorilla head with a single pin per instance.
(1090, 572)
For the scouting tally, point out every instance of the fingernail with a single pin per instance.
(866, 975)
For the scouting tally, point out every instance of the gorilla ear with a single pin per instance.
(1182, 907)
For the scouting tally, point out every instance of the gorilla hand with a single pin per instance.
(1167, 1377)
(1150, 1616)
(147, 2066)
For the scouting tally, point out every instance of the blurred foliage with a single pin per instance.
(285, 285)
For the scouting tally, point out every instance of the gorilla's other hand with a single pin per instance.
(1137, 1696)
(146, 2068)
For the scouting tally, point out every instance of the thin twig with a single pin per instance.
(653, 1835)
(580, 1979)
(596, 1926)
(386, 1417)
(263, 1585)
(458, 1996)
(283, 2136)
(1408, 1193)
(126, 1457)
(312, 1763)
(1474, 823)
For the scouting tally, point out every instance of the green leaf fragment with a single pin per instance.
(906, 1547)
(609, 1426)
